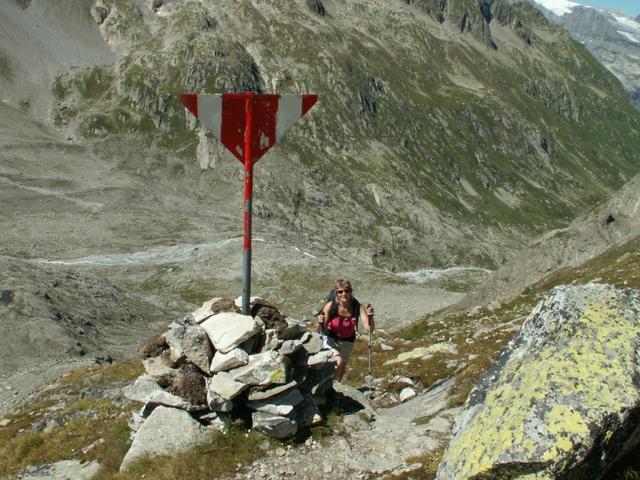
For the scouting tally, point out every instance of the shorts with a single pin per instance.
(345, 347)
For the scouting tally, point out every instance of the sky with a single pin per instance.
(631, 8)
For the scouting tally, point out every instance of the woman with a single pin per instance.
(339, 321)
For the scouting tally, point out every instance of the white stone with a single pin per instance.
(146, 390)
(320, 358)
(226, 361)
(405, 380)
(263, 369)
(260, 393)
(209, 303)
(167, 431)
(202, 313)
(224, 385)
(216, 402)
(227, 330)
(289, 346)
(407, 394)
(312, 342)
(281, 405)
(271, 341)
(63, 469)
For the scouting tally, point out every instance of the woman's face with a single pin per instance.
(343, 293)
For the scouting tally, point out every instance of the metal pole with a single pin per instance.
(248, 190)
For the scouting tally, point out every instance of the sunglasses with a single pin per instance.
(340, 292)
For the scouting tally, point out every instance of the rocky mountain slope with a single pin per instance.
(454, 145)
(612, 223)
(444, 136)
(612, 37)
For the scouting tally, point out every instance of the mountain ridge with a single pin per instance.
(612, 37)
(436, 159)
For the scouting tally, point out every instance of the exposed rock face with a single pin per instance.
(562, 400)
(610, 223)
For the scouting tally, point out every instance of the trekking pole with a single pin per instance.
(370, 339)
(369, 379)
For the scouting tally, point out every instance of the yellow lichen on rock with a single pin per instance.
(572, 365)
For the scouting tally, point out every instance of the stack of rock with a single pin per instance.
(217, 364)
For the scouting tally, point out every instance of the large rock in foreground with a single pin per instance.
(563, 399)
(166, 431)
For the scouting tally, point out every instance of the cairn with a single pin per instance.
(218, 365)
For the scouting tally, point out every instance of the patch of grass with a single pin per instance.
(74, 423)
(427, 471)
(213, 460)
(97, 429)
(82, 424)
(425, 370)
(116, 372)
(94, 83)
(110, 452)
(60, 90)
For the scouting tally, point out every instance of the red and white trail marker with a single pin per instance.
(248, 124)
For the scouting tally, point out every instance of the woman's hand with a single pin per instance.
(370, 311)
(320, 321)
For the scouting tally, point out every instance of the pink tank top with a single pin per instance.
(342, 327)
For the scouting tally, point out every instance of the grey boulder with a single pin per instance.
(224, 385)
(167, 431)
(562, 399)
(282, 404)
(274, 425)
(189, 343)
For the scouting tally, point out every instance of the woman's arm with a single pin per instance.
(323, 316)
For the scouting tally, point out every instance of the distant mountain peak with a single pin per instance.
(610, 34)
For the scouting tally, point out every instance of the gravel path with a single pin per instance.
(368, 449)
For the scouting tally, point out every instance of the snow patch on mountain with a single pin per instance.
(627, 23)
(558, 7)
(629, 36)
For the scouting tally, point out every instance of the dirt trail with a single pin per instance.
(367, 449)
